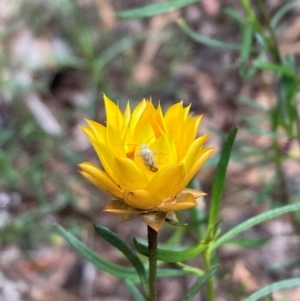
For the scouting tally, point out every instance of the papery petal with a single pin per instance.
(174, 119)
(146, 134)
(201, 158)
(145, 119)
(142, 199)
(198, 195)
(181, 202)
(114, 142)
(113, 114)
(166, 182)
(194, 192)
(128, 175)
(98, 130)
(192, 127)
(89, 133)
(126, 121)
(175, 114)
(119, 207)
(135, 117)
(192, 152)
(106, 157)
(172, 219)
(165, 151)
(154, 219)
(100, 179)
(186, 111)
(157, 120)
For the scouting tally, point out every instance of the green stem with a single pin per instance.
(284, 195)
(273, 43)
(210, 282)
(152, 249)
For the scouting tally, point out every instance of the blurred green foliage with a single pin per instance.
(107, 56)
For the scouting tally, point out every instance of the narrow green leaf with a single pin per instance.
(199, 282)
(70, 61)
(99, 262)
(135, 293)
(273, 288)
(286, 264)
(117, 242)
(286, 102)
(275, 68)
(191, 269)
(254, 221)
(154, 9)
(249, 243)
(247, 41)
(250, 102)
(165, 273)
(247, 72)
(172, 256)
(234, 15)
(282, 11)
(219, 180)
(111, 52)
(205, 40)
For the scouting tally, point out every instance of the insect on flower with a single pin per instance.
(148, 157)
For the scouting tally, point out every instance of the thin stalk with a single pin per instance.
(277, 157)
(152, 249)
(252, 17)
(274, 45)
(210, 282)
(278, 164)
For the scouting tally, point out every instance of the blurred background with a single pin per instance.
(58, 57)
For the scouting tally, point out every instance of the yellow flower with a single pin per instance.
(148, 159)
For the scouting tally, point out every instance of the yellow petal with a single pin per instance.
(142, 199)
(154, 219)
(175, 114)
(158, 123)
(126, 120)
(146, 134)
(100, 179)
(192, 152)
(114, 142)
(181, 202)
(89, 133)
(128, 175)
(106, 157)
(119, 207)
(201, 158)
(192, 127)
(186, 111)
(136, 115)
(164, 150)
(167, 181)
(145, 119)
(98, 130)
(113, 114)
(174, 120)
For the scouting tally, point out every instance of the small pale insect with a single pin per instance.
(148, 157)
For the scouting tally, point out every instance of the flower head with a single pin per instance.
(148, 159)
